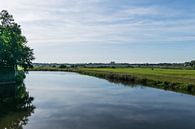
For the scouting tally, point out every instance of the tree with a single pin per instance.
(62, 66)
(13, 49)
(193, 62)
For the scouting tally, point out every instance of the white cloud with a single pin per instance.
(87, 21)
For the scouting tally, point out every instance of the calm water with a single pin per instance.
(72, 101)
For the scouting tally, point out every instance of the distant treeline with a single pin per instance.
(186, 65)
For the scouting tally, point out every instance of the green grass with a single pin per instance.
(157, 74)
(170, 79)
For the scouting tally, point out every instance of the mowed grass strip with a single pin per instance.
(170, 75)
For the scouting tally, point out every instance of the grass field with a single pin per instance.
(170, 75)
(170, 79)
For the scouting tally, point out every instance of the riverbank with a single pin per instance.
(169, 79)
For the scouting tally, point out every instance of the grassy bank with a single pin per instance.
(170, 79)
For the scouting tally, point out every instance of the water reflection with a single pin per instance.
(15, 106)
(73, 101)
(132, 83)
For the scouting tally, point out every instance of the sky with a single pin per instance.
(88, 31)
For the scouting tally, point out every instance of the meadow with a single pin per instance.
(180, 80)
(158, 74)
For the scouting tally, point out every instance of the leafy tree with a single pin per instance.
(193, 62)
(62, 66)
(13, 49)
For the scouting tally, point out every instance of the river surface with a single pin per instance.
(66, 100)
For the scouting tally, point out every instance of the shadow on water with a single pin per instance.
(15, 106)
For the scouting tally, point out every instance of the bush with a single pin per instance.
(20, 77)
(62, 66)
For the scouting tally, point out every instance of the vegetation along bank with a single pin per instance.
(180, 80)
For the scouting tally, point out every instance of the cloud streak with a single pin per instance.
(90, 21)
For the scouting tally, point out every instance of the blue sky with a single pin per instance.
(133, 31)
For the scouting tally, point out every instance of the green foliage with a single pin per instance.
(20, 77)
(62, 66)
(6, 74)
(13, 49)
(193, 62)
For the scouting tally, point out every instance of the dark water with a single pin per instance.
(15, 106)
(72, 101)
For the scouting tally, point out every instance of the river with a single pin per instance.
(66, 100)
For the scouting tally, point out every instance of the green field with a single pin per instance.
(169, 75)
(179, 80)
(182, 76)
